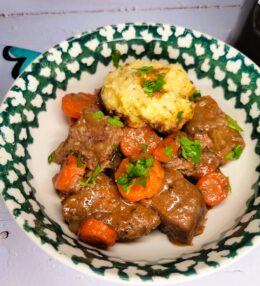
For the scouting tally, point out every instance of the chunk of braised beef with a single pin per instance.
(93, 139)
(103, 202)
(209, 124)
(180, 206)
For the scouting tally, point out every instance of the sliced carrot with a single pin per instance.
(69, 175)
(97, 233)
(137, 140)
(214, 188)
(167, 149)
(73, 104)
(138, 192)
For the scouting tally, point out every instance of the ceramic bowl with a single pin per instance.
(32, 125)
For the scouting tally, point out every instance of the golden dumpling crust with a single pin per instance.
(165, 110)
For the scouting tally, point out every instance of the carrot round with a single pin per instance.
(73, 104)
(97, 233)
(137, 192)
(214, 188)
(69, 175)
(138, 140)
(167, 149)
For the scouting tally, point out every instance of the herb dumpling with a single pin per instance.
(150, 93)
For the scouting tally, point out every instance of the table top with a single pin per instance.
(39, 25)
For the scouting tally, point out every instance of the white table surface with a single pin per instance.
(38, 25)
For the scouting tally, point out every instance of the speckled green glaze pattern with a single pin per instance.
(210, 58)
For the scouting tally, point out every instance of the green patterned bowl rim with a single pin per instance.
(27, 98)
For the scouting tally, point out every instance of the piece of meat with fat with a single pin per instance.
(180, 206)
(93, 139)
(103, 202)
(210, 126)
(184, 166)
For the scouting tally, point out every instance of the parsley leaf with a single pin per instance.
(233, 124)
(115, 55)
(190, 149)
(115, 121)
(91, 180)
(144, 148)
(168, 150)
(150, 86)
(98, 114)
(145, 69)
(141, 181)
(136, 173)
(179, 115)
(195, 95)
(235, 153)
(51, 157)
(114, 147)
(80, 163)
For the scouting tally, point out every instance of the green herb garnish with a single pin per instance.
(91, 180)
(168, 151)
(190, 149)
(144, 148)
(179, 115)
(235, 153)
(98, 114)
(80, 163)
(233, 124)
(115, 121)
(114, 147)
(145, 69)
(150, 86)
(136, 173)
(195, 95)
(141, 181)
(51, 157)
(115, 55)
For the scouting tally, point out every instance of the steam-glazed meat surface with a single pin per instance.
(207, 116)
(180, 206)
(209, 124)
(93, 139)
(102, 202)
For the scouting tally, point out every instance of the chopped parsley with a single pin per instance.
(114, 147)
(150, 86)
(195, 95)
(168, 150)
(145, 69)
(80, 163)
(190, 149)
(115, 55)
(51, 157)
(233, 124)
(91, 180)
(115, 121)
(179, 115)
(235, 153)
(136, 173)
(144, 148)
(141, 181)
(98, 114)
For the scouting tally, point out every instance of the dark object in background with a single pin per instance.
(248, 41)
